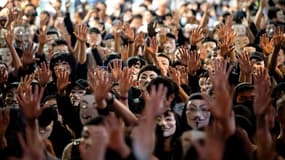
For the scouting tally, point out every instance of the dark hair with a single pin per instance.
(48, 115)
(133, 60)
(94, 30)
(58, 42)
(241, 88)
(165, 56)
(172, 88)
(149, 67)
(64, 57)
(174, 138)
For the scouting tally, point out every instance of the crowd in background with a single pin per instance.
(149, 80)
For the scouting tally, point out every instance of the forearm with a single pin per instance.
(124, 112)
(16, 59)
(204, 20)
(273, 60)
(183, 94)
(82, 53)
(264, 140)
(40, 49)
(131, 49)
(117, 42)
(245, 77)
(76, 50)
(258, 17)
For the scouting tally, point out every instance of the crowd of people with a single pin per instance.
(200, 81)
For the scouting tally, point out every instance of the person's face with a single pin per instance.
(62, 65)
(164, 61)
(87, 109)
(52, 37)
(94, 38)
(45, 132)
(145, 78)
(30, 13)
(76, 94)
(169, 46)
(167, 123)
(245, 96)
(11, 98)
(202, 84)
(5, 56)
(136, 23)
(22, 33)
(147, 17)
(256, 64)
(101, 10)
(209, 46)
(197, 114)
(60, 48)
(110, 44)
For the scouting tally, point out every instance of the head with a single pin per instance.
(30, 13)
(146, 74)
(59, 46)
(164, 60)
(22, 33)
(244, 94)
(172, 90)
(88, 110)
(257, 60)
(137, 21)
(10, 96)
(170, 45)
(46, 120)
(168, 123)
(62, 61)
(94, 37)
(196, 112)
(78, 90)
(135, 64)
(5, 59)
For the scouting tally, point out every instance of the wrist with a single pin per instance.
(61, 92)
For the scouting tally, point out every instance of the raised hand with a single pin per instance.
(30, 102)
(226, 46)
(25, 83)
(125, 81)
(129, 32)
(81, 32)
(262, 90)
(278, 38)
(33, 148)
(182, 56)
(95, 146)
(244, 63)
(193, 62)
(28, 55)
(266, 44)
(43, 74)
(221, 105)
(100, 83)
(116, 69)
(42, 37)
(175, 75)
(154, 101)
(196, 35)
(153, 47)
(62, 80)
(151, 29)
(139, 40)
(117, 137)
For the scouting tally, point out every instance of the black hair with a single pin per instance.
(272, 12)
(64, 57)
(110, 58)
(241, 88)
(48, 97)
(47, 115)
(133, 60)
(149, 67)
(171, 36)
(94, 30)
(58, 42)
(238, 16)
(172, 88)
(159, 135)
(165, 56)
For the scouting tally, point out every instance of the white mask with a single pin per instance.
(167, 123)
(87, 109)
(197, 114)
